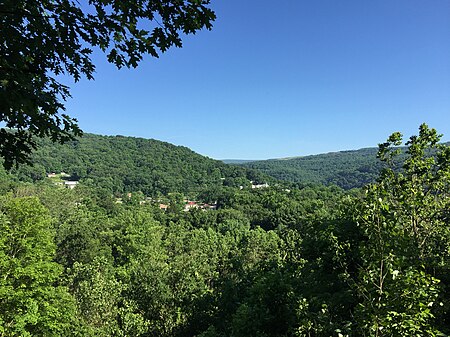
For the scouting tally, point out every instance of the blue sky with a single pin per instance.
(284, 78)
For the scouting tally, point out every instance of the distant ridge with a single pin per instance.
(318, 154)
(347, 169)
(237, 161)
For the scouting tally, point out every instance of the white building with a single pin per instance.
(70, 184)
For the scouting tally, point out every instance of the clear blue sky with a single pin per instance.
(284, 78)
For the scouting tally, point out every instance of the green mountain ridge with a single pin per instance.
(347, 169)
(121, 164)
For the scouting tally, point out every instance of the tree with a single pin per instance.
(43, 39)
(406, 248)
(31, 301)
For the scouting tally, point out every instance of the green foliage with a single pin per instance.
(407, 239)
(126, 164)
(311, 261)
(31, 304)
(41, 40)
(346, 169)
(81, 237)
(98, 294)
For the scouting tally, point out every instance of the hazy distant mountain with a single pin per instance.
(237, 161)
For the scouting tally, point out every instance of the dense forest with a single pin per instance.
(347, 169)
(117, 164)
(309, 261)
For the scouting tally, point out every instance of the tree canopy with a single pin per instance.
(43, 39)
(118, 164)
(271, 262)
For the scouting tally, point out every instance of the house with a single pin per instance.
(70, 184)
(51, 175)
(265, 185)
(164, 207)
(190, 205)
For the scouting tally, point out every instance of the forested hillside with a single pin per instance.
(346, 169)
(272, 262)
(126, 164)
